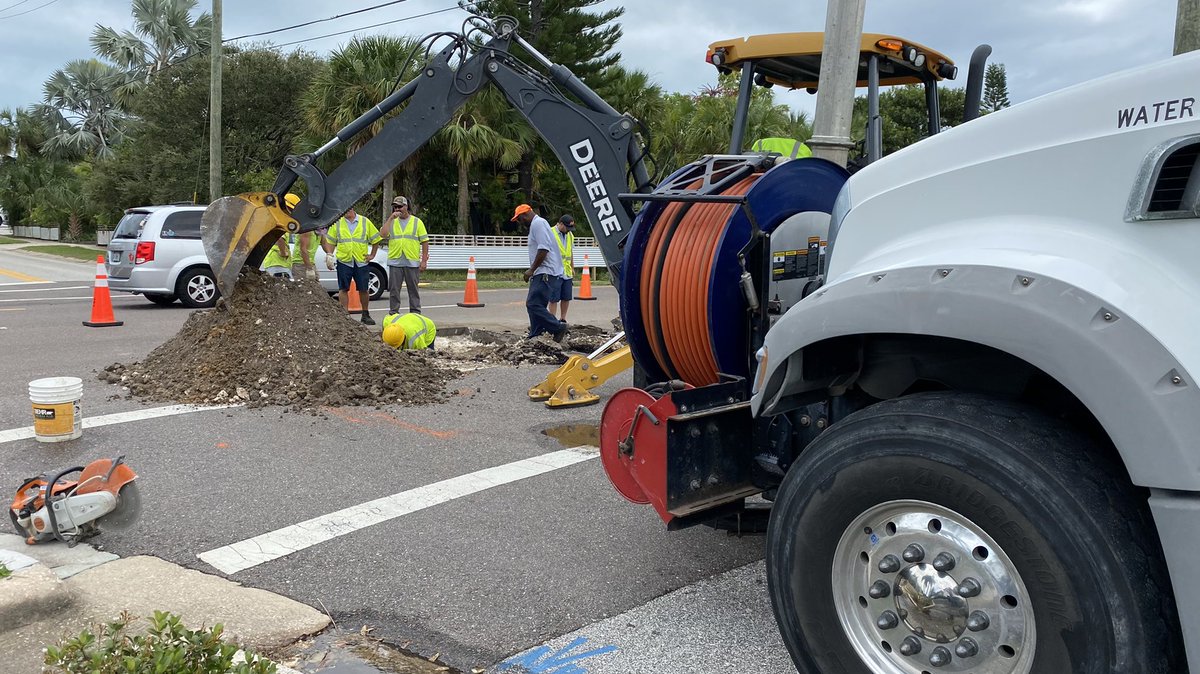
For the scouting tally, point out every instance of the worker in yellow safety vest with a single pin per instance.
(408, 254)
(409, 331)
(562, 291)
(348, 240)
(790, 148)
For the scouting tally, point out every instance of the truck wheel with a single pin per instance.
(197, 288)
(958, 533)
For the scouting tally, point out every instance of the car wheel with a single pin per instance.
(952, 532)
(161, 300)
(197, 288)
(376, 283)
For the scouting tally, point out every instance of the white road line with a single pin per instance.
(26, 283)
(42, 290)
(59, 299)
(118, 418)
(275, 544)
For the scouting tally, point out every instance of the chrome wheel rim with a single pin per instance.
(201, 288)
(919, 588)
(373, 284)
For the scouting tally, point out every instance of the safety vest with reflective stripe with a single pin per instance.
(353, 246)
(565, 245)
(274, 258)
(787, 147)
(419, 331)
(405, 240)
(313, 242)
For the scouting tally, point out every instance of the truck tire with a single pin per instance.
(197, 288)
(955, 532)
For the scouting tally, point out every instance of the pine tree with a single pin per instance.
(995, 89)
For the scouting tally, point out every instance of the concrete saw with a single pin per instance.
(52, 507)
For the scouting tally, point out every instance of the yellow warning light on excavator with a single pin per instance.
(888, 44)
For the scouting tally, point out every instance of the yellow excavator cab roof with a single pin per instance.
(793, 60)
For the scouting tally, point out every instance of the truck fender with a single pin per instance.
(1106, 359)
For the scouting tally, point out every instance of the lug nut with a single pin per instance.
(943, 562)
(969, 588)
(978, 621)
(879, 590)
(889, 564)
(887, 620)
(966, 648)
(910, 646)
(913, 553)
(940, 656)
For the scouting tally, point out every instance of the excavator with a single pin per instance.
(921, 402)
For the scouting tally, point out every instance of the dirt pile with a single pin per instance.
(500, 348)
(277, 342)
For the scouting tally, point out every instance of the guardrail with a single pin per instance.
(450, 256)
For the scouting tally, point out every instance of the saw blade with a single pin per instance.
(129, 507)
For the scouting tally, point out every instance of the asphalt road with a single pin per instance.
(477, 578)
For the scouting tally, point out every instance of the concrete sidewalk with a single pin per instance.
(55, 592)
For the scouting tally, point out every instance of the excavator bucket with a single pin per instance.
(238, 232)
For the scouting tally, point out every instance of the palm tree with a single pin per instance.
(483, 129)
(83, 114)
(163, 33)
(357, 77)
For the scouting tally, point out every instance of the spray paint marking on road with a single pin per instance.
(541, 661)
(266, 547)
(117, 418)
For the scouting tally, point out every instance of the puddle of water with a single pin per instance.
(333, 653)
(575, 435)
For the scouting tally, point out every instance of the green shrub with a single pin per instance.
(167, 647)
(4, 572)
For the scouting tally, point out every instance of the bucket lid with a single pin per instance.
(56, 386)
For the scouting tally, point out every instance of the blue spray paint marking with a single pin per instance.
(541, 661)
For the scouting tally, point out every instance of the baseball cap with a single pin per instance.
(567, 220)
(400, 201)
(523, 208)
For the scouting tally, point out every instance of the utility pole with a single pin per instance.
(1187, 26)
(214, 106)
(838, 77)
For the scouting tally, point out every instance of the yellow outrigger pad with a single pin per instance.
(570, 385)
(238, 231)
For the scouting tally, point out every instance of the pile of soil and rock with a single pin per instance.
(277, 342)
(503, 348)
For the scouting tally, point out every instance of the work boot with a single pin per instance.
(367, 320)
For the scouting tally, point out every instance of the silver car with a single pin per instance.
(156, 251)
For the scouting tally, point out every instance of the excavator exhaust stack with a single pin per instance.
(238, 231)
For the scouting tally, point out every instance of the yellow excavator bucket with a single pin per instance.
(238, 231)
(570, 385)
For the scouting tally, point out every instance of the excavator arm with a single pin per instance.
(597, 145)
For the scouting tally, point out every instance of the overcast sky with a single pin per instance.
(1044, 44)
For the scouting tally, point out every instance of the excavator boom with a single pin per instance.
(593, 141)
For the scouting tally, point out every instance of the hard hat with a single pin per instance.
(393, 335)
(291, 200)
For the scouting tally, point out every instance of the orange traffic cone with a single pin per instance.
(585, 285)
(471, 294)
(102, 313)
(353, 304)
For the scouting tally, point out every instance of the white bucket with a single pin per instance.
(56, 415)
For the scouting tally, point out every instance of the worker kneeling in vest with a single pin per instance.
(409, 331)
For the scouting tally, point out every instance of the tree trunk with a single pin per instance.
(464, 201)
(409, 182)
(525, 177)
(389, 188)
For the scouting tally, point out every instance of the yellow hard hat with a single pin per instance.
(393, 335)
(291, 200)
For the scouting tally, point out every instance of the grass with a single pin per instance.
(4, 572)
(454, 279)
(9, 239)
(74, 252)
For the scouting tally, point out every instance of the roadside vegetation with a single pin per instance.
(108, 133)
(73, 252)
(4, 572)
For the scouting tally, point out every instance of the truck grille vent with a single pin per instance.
(1171, 188)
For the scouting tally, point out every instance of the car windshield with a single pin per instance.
(130, 226)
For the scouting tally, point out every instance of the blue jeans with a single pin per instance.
(540, 318)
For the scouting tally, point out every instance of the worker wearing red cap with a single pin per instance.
(545, 269)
